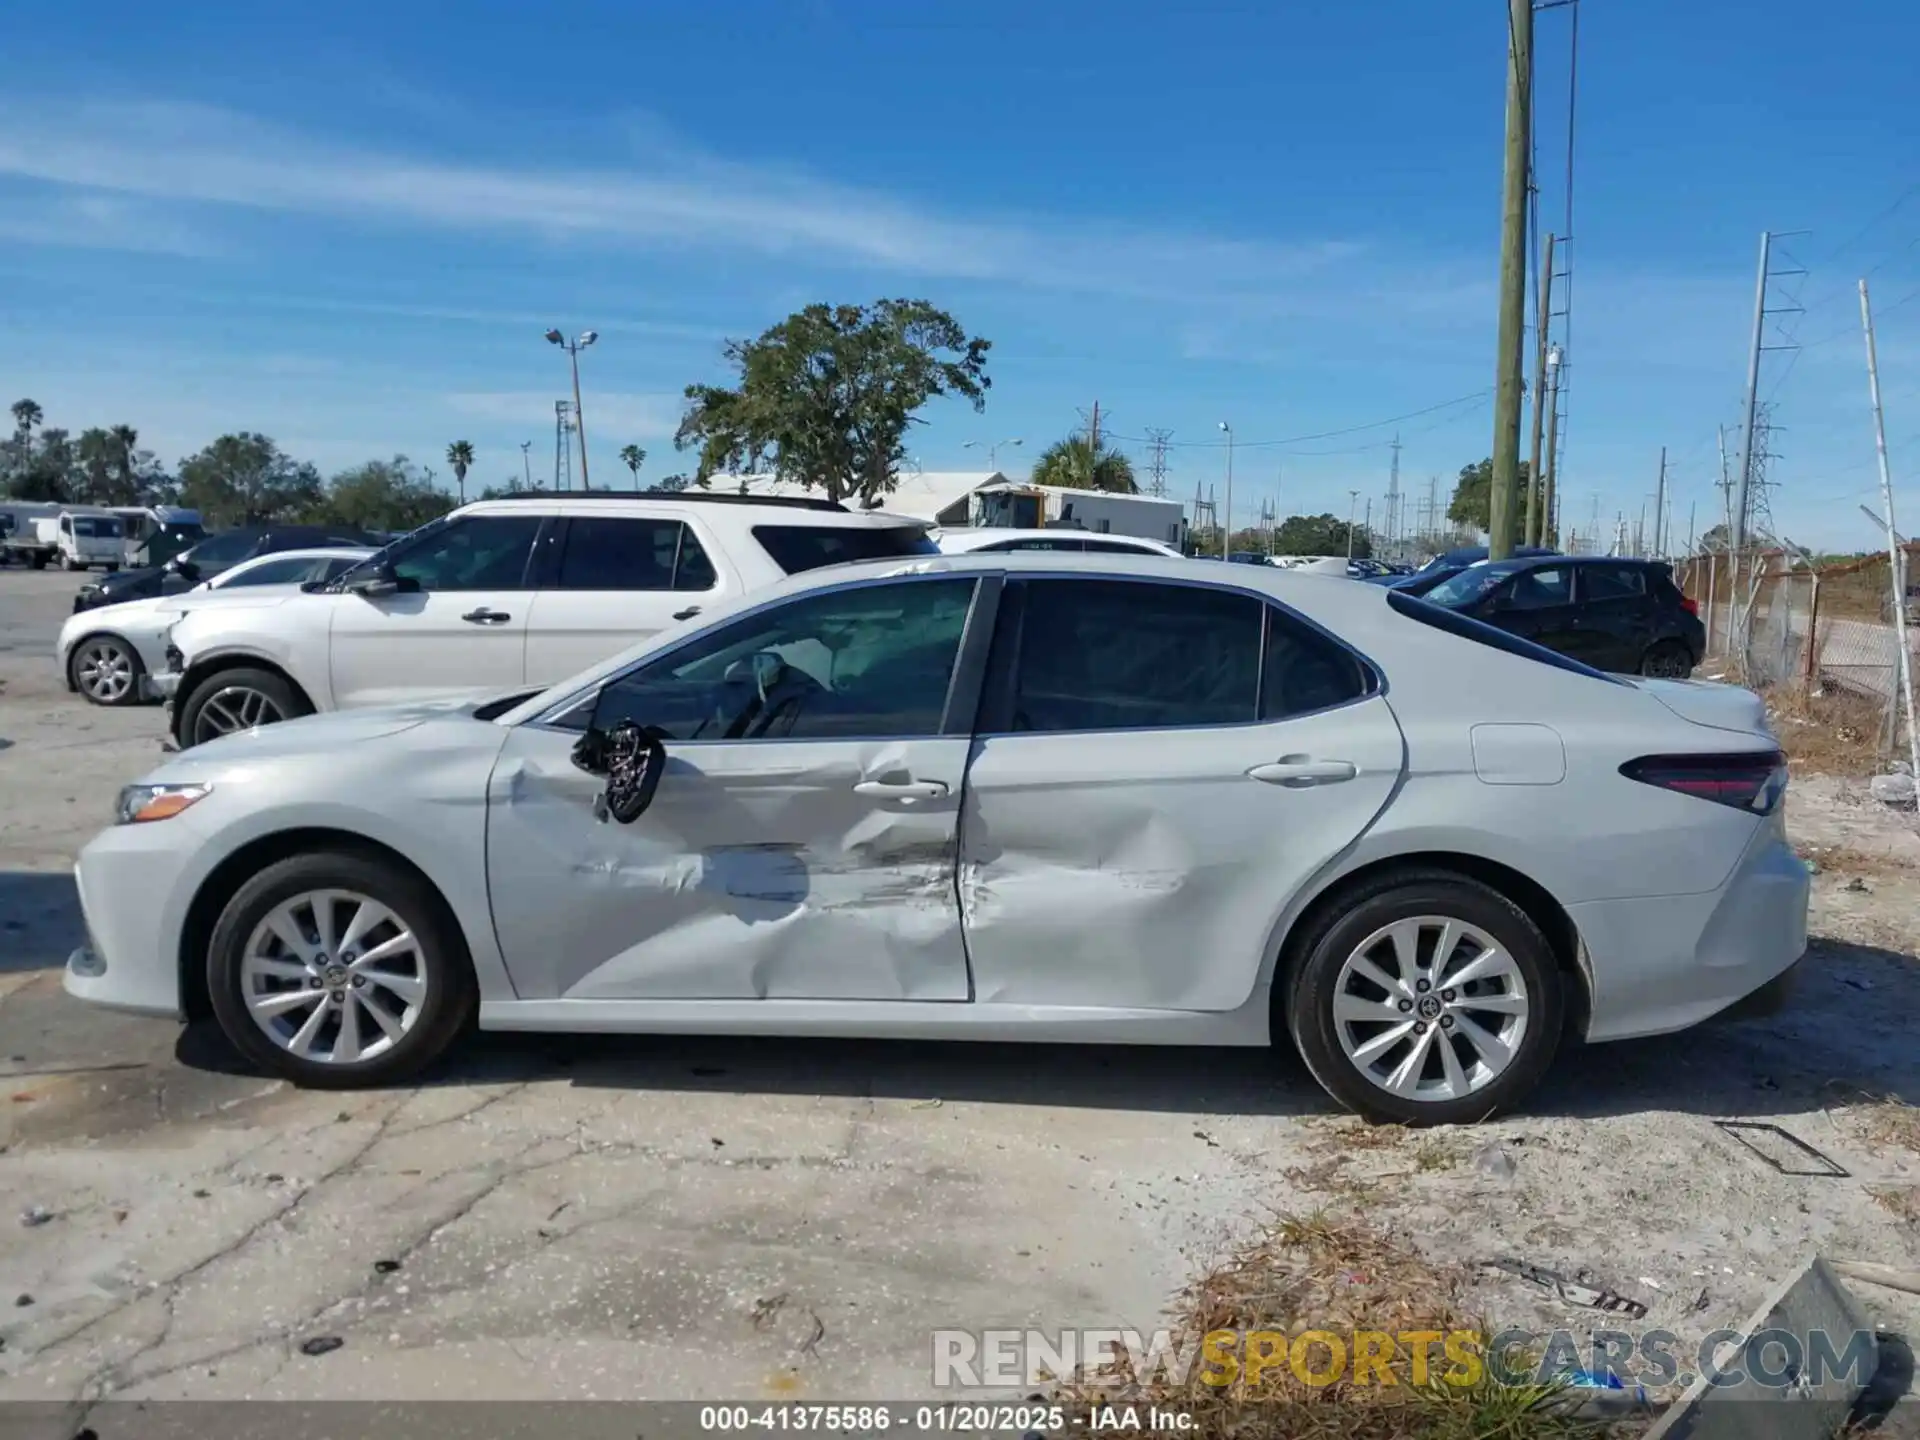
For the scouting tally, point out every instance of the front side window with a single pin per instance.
(227, 549)
(479, 552)
(872, 661)
(284, 571)
(795, 548)
(1128, 655)
(331, 569)
(616, 552)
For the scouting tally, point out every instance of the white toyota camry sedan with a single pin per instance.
(1043, 797)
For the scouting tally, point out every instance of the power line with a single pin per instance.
(1303, 439)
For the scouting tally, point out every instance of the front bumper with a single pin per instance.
(133, 885)
(1664, 963)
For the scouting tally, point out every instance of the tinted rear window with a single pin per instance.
(808, 547)
(1467, 628)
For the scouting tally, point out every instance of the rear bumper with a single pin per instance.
(1665, 963)
(163, 685)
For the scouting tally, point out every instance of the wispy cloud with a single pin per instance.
(92, 220)
(635, 416)
(670, 195)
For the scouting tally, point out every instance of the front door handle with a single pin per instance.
(484, 616)
(1298, 773)
(686, 614)
(901, 789)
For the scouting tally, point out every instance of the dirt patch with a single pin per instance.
(1835, 733)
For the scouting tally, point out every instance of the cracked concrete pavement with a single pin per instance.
(556, 1217)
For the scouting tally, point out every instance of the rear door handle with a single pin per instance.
(484, 616)
(686, 614)
(901, 789)
(1300, 774)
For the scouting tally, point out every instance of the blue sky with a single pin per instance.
(347, 226)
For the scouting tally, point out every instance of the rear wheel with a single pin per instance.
(106, 670)
(229, 701)
(1427, 998)
(1668, 660)
(337, 971)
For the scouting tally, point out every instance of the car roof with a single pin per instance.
(715, 508)
(316, 552)
(974, 535)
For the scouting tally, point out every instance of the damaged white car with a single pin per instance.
(1002, 797)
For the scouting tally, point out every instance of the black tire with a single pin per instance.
(1345, 925)
(135, 669)
(68, 563)
(38, 562)
(451, 993)
(113, 569)
(277, 691)
(1667, 660)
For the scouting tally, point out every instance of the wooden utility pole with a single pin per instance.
(1513, 282)
(1093, 427)
(1536, 514)
(1550, 481)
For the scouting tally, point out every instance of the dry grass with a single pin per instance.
(1903, 1203)
(1850, 860)
(1833, 733)
(1889, 1120)
(1340, 1277)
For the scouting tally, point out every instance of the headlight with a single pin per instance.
(140, 804)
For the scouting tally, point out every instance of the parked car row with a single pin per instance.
(985, 795)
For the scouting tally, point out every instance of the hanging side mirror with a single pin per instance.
(632, 760)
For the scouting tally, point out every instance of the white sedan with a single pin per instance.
(108, 653)
(994, 797)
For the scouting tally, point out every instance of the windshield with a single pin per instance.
(373, 563)
(97, 527)
(1470, 584)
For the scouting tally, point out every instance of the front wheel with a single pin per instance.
(106, 670)
(230, 701)
(68, 563)
(1427, 999)
(337, 972)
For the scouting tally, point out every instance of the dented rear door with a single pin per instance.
(809, 865)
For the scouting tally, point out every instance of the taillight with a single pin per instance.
(1752, 781)
(1690, 605)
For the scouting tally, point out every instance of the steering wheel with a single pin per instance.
(776, 688)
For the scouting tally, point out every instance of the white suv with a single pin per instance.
(499, 595)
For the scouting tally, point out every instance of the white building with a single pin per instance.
(939, 497)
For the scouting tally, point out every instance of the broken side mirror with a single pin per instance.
(631, 758)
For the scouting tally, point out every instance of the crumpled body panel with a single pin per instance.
(1149, 869)
(757, 873)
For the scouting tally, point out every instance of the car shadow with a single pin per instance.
(1778, 1068)
(40, 922)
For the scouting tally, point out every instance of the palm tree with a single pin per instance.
(460, 457)
(633, 457)
(1077, 463)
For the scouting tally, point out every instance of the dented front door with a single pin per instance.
(819, 870)
(812, 856)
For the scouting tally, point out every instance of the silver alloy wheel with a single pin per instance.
(104, 670)
(1430, 1008)
(231, 709)
(333, 976)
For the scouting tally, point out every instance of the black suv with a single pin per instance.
(1625, 616)
(211, 556)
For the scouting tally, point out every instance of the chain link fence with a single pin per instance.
(1779, 621)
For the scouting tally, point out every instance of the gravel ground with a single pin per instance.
(606, 1218)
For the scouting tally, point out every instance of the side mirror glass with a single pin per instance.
(381, 582)
(630, 757)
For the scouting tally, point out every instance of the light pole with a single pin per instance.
(1353, 504)
(526, 465)
(1226, 524)
(573, 349)
(993, 451)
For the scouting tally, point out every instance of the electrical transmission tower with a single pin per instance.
(1157, 461)
(1760, 484)
(563, 444)
(1746, 492)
